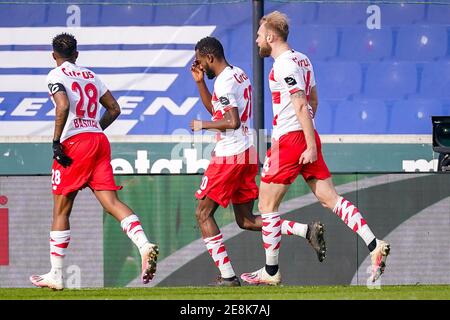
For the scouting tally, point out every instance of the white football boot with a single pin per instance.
(262, 277)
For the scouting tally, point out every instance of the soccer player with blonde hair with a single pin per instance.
(296, 149)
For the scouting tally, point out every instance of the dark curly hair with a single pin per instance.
(210, 45)
(65, 45)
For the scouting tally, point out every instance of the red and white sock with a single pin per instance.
(271, 234)
(219, 254)
(293, 228)
(351, 216)
(132, 227)
(59, 241)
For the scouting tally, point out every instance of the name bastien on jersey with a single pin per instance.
(84, 90)
(232, 89)
(292, 72)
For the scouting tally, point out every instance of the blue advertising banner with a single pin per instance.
(142, 53)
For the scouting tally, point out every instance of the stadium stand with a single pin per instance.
(361, 44)
(405, 61)
(438, 14)
(402, 14)
(343, 14)
(390, 80)
(413, 116)
(361, 116)
(299, 15)
(435, 81)
(421, 43)
(318, 42)
(324, 117)
(408, 58)
(338, 80)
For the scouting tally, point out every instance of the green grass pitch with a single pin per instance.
(428, 292)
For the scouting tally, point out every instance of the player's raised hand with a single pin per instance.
(59, 155)
(308, 156)
(196, 125)
(197, 72)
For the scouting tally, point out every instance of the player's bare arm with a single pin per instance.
(300, 105)
(313, 100)
(230, 121)
(198, 76)
(62, 112)
(112, 110)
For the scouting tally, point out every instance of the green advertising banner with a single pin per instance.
(166, 207)
(358, 154)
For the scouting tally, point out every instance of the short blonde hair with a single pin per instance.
(277, 22)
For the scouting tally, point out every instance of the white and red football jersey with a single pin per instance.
(232, 89)
(292, 71)
(84, 90)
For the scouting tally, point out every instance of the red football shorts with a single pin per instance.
(91, 166)
(230, 178)
(281, 165)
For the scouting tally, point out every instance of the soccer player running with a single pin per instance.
(230, 176)
(296, 148)
(82, 156)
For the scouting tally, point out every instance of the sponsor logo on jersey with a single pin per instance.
(224, 101)
(290, 81)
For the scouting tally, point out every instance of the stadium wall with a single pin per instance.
(29, 206)
(411, 211)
